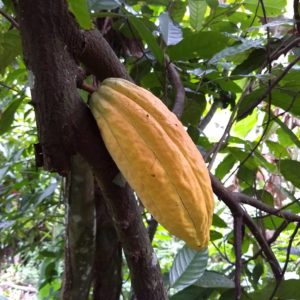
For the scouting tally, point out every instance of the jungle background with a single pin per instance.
(228, 69)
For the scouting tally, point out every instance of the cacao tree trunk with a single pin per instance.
(53, 45)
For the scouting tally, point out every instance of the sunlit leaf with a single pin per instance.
(272, 8)
(171, 33)
(197, 12)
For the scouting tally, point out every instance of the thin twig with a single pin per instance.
(274, 237)
(178, 86)
(238, 240)
(87, 87)
(288, 253)
(296, 15)
(204, 122)
(268, 209)
(10, 19)
(232, 201)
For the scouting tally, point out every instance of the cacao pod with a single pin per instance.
(157, 158)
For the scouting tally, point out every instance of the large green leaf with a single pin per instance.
(289, 169)
(198, 45)
(146, 35)
(234, 50)
(197, 11)
(215, 280)
(10, 47)
(188, 267)
(80, 10)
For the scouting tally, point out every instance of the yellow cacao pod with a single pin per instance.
(157, 158)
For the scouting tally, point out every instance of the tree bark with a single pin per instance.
(108, 260)
(80, 233)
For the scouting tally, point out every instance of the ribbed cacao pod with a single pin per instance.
(157, 158)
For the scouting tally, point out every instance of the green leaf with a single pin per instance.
(215, 235)
(188, 266)
(3, 172)
(225, 166)
(288, 289)
(190, 293)
(97, 5)
(197, 12)
(243, 110)
(193, 110)
(80, 10)
(46, 193)
(146, 35)
(10, 47)
(265, 196)
(251, 63)
(214, 280)
(7, 117)
(244, 126)
(277, 149)
(171, 33)
(219, 222)
(289, 169)
(287, 99)
(234, 50)
(177, 10)
(212, 3)
(257, 272)
(272, 8)
(288, 131)
(198, 45)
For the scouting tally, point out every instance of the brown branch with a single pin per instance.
(87, 87)
(296, 15)
(13, 22)
(268, 209)
(232, 201)
(179, 88)
(288, 253)
(238, 240)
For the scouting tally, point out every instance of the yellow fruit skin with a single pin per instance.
(157, 158)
